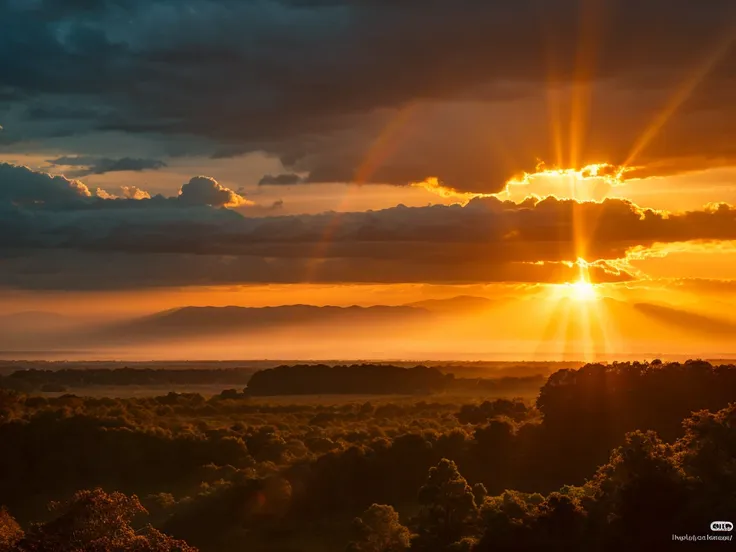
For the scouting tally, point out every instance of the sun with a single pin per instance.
(582, 291)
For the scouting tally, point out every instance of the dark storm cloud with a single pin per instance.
(101, 165)
(52, 226)
(484, 231)
(59, 112)
(82, 270)
(318, 83)
(58, 196)
(21, 186)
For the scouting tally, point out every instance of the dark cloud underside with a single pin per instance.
(61, 228)
(468, 91)
(86, 165)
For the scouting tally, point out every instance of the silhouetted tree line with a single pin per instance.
(63, 379)
(515, 409)
(375, 379)
(597, 404)
(361, 379)
(371, 379)
(506, 384)
(602, 461)
(580, 424)
(647, 491)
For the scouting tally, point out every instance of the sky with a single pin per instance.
(160, 154)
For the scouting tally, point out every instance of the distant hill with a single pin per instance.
(463, 324)
(200, 321)
(461, 303)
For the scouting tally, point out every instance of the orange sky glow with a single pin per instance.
(587, 209)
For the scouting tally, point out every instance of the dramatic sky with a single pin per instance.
(163, 153)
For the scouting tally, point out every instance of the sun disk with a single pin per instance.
(582, 291)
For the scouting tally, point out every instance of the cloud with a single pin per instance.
(433, 185)
(84, 270)
(101, 165)
(104, 194)
(267, 209)
(134, 192)
(472, 94)
(28, 190)
(485, 240)
(204, 190)
(22, 186)
(286, 179)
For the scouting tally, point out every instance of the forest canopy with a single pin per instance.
(606, 457)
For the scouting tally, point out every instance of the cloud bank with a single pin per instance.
(86, 165)
(53, 230)
(470, 92)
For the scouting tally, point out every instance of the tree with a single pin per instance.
(560, 522)
(449, 511)
(506, 519)
(95, 521)
(479, 493)
(379, 530)
(708, 455)
(642, 486)
(10, 531)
